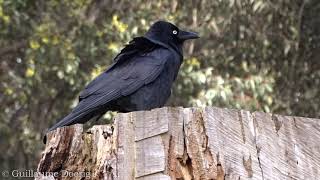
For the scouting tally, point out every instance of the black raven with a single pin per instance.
(139, 79)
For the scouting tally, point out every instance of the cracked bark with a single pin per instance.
(255, 142)
(187, 143)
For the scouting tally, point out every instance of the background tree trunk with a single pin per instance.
(187, 143)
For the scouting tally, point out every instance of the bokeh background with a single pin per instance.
(258, 55)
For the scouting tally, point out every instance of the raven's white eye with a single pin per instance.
(174, 32)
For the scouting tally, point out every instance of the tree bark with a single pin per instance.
(187, 143)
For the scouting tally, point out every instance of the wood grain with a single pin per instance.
(188, 143)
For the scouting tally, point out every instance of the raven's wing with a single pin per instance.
(135, 49)
(123, 78)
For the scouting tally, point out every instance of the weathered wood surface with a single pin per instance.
(187, 143)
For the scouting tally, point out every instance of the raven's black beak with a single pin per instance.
(185, 35)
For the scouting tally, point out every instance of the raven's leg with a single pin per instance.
(99, 116)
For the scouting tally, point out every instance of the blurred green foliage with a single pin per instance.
(253, 54)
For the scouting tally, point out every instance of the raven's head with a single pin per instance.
(169, 34)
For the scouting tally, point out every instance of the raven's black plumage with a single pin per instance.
(139, 79)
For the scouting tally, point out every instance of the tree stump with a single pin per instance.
(186, 143)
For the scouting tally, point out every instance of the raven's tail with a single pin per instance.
(66, 121)
(70, 119)
(73, 118)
